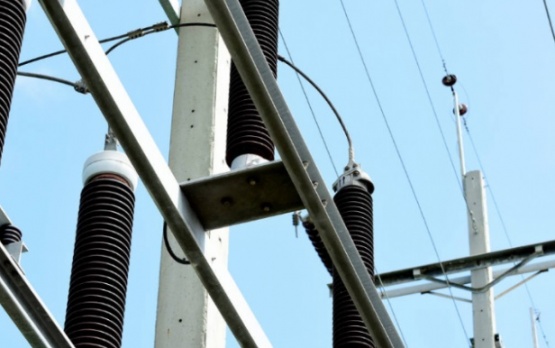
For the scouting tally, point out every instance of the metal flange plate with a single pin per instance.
(242, 195)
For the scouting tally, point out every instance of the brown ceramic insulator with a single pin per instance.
(246, 133)
(12, 24)
(98, 285)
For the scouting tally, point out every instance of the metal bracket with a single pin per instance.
(438, 294)
(520, 283)
(242, 195)
(422, 288)
(496, 281)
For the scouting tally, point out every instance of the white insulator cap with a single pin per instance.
(27, 4)
(110, 162)
(246, 161)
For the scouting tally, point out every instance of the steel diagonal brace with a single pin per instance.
(112, 99)
(262, 86)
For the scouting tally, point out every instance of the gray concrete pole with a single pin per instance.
(483, 312)
(186, 316)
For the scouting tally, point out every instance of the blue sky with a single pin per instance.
(504, 57)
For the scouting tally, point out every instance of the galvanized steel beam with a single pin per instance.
(262, 86)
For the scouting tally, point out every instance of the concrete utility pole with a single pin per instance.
(483, 313)
(186, 316)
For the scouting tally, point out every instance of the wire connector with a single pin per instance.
(161, 26)
(354, 175)
(136, 33)
(81, 87)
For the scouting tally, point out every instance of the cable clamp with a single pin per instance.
(161, 26)
(136, 33)
(81, 87)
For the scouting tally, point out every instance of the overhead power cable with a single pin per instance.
(53, 54)
(141, 32)
(430, 101)
(134, 34)
(310, 106)
(78, 87)
(380, 284)
(334, 110)
(496, 206)
(549, 19)
(398, 152)
(434, 36)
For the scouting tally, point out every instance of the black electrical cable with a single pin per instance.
(49, 78)
(119, 43)
(155, 29)
(339, 118)
(124, 38)
(57, 53)
(310, 107)
(182, 261)
(134, 34)
(36, 59)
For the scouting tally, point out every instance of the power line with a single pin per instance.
(427, 89)
(56, 53)
(351, 152)
(78, 87)
(367, 72)
(131, 35)
(549, 19)
(380, 283)
(124, 38)
(434, 36)
(494, 200)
